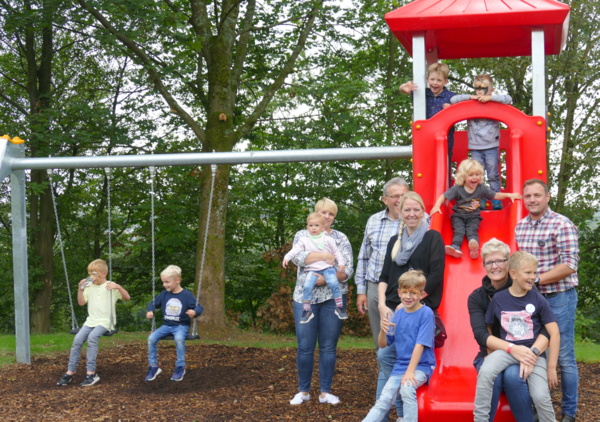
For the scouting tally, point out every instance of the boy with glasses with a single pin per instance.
(484, 134)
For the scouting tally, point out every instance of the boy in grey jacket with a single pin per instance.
(484, 134)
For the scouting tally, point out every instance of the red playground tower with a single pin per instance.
(450, 29)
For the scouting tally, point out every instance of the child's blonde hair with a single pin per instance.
(315, 216)
(464, 168)
(484, 77)
(98, 265)
(171, 271)
(519, 258)
(440, 68)
(413, 279)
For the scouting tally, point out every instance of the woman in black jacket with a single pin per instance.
(415, 247)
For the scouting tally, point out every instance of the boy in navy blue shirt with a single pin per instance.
(178, 307)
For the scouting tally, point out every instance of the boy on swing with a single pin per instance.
(100, 296)
(178, 307)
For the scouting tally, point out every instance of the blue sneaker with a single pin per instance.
(496, 204)
(153, 371)
(178, 374)
(482, 204)
(306, 316)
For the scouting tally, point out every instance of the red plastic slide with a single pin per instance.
(451, 391)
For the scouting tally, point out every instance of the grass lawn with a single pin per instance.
(52, 344)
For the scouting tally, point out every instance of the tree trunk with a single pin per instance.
(210, 257)
(39, 87)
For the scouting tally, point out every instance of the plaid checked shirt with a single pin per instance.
(380, 228)
(553, 240)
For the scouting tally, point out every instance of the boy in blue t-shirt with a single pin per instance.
(178, 307)
(522, 311)
(412, 331)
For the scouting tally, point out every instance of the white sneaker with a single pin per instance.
(400, 419)
(299, 399)
(329, 399)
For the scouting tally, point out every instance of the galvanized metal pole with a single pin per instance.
(19, 253)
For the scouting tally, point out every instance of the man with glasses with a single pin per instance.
(553, 239)
(380, 228)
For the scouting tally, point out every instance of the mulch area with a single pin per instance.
(222, 383)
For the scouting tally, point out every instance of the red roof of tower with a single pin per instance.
(481, 28)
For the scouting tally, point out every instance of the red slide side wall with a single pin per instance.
(451, 391)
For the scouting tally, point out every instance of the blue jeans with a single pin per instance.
(516, 391)
(324, 327)
(563, 306)
(330, 278)
(386, 358)
(179, 333)
(488, 158)
(92, 335)
(408, 395)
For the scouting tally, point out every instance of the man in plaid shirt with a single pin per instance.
(553, 239)
(380, 228)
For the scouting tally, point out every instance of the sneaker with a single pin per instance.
(299, 399)
(400, 419)
(568, 418)
(90, 379)
(496, 204)
(306, 316)
(482, 204)
(178, 374)
(65, 380)
(329, 399)
(453, 251)
(473, 249)
(341, 314)
(153, 371)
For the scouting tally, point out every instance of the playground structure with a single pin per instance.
(445, 29)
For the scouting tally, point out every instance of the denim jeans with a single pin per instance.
(489, 158)
(563, 306)
(179, 333)
(92, 335)
(324, 327)
(330, 278)
(386, 358)
(408, 395)
(516, 391)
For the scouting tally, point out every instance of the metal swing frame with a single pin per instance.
(13, 163)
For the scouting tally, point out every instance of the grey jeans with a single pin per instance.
(92, 335)
(537, 382)
(374, 318)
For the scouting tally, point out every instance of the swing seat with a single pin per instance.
(108, 333)
(189, 337)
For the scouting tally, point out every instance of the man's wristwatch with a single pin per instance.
(537, 281)
(536, 351)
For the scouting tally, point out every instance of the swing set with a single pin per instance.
(13, 164)
(193, 335)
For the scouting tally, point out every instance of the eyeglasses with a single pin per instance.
(485, 88)
(497, 263)
(397, 196)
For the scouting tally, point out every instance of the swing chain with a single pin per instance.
(201, 272)
(152, 173)
(74, 324)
